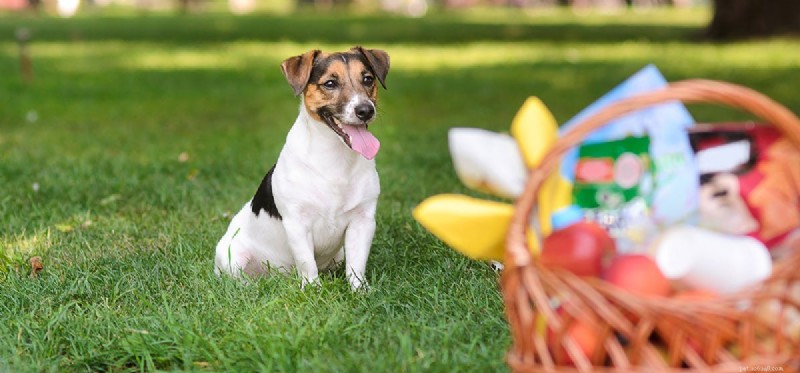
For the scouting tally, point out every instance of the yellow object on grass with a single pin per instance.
(535, 130)
(533, 242)
(477, 228)
(555, 194)
(474, 227)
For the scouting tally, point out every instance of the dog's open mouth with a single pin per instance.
(356, 136)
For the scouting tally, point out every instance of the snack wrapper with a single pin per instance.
(750, 181)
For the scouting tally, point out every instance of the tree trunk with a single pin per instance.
(754, 18)
(183, 6)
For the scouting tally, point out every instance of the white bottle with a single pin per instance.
(704, 259)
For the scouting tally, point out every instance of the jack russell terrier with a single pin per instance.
(316, 207)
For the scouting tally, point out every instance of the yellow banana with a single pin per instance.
(474, 227)
(536, 130)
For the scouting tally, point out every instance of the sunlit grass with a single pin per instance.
(15, 248)
(126, 226)
(89, 56)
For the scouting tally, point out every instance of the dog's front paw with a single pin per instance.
(312, 283)
(359, 284)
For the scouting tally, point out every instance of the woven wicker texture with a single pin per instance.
(748, 330)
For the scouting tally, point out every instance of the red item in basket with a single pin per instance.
(638, 274)
(582, 332)
(578, 247)
(750, 181)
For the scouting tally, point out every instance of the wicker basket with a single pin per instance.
(733, 335)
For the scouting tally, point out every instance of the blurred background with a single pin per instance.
(732, 18)
(131, 130)
(410, 7)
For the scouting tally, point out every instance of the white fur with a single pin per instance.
(349, 112)
(327, 195)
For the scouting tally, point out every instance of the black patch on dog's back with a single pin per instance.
(264, 198)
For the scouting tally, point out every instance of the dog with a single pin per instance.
(315, 208)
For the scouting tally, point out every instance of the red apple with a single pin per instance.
(638, 274)
(578, 248)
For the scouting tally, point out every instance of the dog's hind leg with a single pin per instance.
(231, 256)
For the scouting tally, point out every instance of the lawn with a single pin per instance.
(121, 163)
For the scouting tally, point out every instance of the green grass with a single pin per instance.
(126, 231)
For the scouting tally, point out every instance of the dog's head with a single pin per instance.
(340, 89)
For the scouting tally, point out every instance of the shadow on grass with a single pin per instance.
(335, 29)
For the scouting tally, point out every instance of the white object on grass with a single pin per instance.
(487, 161)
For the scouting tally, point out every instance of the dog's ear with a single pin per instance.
(297, 70)
(378, 61)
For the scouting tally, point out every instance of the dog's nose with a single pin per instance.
(365, 111)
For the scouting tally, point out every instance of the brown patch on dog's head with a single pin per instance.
(297, 69)
(328, 81)
(377, 60)
(339, 89)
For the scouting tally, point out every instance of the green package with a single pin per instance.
(610, 174)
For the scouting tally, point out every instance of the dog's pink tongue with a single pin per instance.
(362, 141)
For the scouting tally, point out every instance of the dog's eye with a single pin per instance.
(367, 80)
(330, 84)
